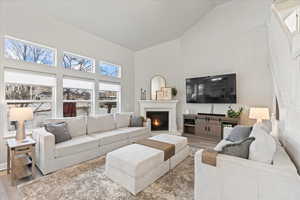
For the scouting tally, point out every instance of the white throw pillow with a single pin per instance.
(263, 147)
(123, 119)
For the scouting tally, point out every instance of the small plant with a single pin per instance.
(234, 114)
(174, 92)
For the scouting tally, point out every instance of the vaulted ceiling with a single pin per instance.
(135, 24)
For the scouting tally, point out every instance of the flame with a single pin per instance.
(156, 122)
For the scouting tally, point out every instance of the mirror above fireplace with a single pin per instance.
(157, 82)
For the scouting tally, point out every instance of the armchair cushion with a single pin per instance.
(264, 146)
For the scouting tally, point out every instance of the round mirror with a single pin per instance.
(157, 82)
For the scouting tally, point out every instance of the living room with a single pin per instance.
(121, 86)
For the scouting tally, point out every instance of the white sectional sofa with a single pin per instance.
(235, 178)
(92, 137)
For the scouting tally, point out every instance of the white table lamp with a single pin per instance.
(259, 114)
(20, 115)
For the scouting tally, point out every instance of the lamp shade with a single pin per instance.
(20, 114)
(259, 113)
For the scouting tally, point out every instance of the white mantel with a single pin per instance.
(161, 105)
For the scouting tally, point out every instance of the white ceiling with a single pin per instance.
(135, 24)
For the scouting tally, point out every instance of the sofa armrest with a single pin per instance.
(147, 123)
(45, 146)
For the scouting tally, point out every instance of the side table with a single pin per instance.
(20, 159)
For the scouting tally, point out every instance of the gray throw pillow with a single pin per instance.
(136, 121)
(239, 133)
(238, 149)
(60, 131)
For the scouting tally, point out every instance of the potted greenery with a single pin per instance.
(234, 114)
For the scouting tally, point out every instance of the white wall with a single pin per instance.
(163, 59)
(286, 72)
(30, 24)
(230, 38)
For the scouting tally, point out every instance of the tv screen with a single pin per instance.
(211, 89)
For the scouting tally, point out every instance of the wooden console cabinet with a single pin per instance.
(207, 126)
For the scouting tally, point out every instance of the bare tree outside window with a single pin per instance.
(39, 98)
(27, 52)
(78, 63)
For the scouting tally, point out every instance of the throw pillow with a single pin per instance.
(238, 149)
(222, 144)
(59, 130)
(136, 121)
(264, 146)
(239, 133)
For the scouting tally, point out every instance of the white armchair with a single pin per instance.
(234, 179)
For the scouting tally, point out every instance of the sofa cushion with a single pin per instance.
(180, 142)
(264, 146)
(238, 149)
(75, 146)
(123, 119)
(110, 137)
(135, 160)
(239, 133)
(60, 131)
(76, 125)
(282, 160)
(100, 123)
(135, 131)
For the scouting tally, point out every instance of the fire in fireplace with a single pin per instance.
(159, 120)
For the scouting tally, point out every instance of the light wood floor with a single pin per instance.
(8, 192)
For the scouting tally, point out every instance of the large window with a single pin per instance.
(109, 98)
(24, 89)
(28, 52)
(109, 69)
(79, 63)
(78, 97)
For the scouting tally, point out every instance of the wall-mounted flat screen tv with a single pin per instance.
(212, 89)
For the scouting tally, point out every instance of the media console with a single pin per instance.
(209, 126)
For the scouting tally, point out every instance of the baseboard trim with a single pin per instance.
(3, 166)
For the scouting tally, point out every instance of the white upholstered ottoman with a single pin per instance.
(137, 166)
(182, 149)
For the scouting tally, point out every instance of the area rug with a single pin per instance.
(87, 181)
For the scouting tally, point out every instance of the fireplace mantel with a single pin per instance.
(161, 105)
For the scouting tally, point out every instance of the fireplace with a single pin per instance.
(159, 120)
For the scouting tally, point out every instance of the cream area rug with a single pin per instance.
(87, 181)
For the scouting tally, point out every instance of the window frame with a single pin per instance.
(79, 56)
(118, 100)
(35, 44)
(110, 63)
(91, 101)
(52, 102)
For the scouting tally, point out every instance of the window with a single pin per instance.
(79, 63)
(28, 52)
(108, 69)
(109, 98)
(78, 95)
(24, 89)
